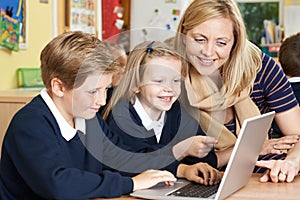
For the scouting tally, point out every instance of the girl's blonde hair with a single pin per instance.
(134, 70)
(240, 70)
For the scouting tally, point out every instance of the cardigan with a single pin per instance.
(38, 163)
(179, 125)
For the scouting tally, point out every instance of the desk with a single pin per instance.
(255, 190)
(10, 102)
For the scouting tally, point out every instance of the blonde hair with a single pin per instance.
(72, 57)
(245, 61)
(116, 51)
(134, 70)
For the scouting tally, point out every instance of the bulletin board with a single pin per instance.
(13, 22)
(112, 19)
(83, 15)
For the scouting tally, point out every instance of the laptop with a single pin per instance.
(239, 169)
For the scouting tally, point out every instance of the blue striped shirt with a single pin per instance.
(271, 91)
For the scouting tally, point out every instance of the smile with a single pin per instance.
(167, 99)
(206, 61)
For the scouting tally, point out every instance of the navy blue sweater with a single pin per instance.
(179, 125)
(296, 89)
(38, 163)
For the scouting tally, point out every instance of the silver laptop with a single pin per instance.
(238, 171)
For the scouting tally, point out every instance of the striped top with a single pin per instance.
(271, 91)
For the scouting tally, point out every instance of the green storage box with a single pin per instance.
(29, 77)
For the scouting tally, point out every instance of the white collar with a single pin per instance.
(67, 131)
(147, 122)
(294, 79)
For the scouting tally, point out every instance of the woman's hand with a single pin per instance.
(201, 173)
(150, 178)
(279, 170)
(279, 145)
(196, 146)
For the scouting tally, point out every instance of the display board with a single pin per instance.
(13, 23)
(83, 15)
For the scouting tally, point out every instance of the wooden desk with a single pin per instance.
(267, 191)
(255, 190)
(10, 102)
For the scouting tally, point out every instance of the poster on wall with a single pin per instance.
(82, 15)
(12, 24)
(9, 32)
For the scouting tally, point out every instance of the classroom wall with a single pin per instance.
(40, 32)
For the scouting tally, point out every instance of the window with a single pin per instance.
(255, 12)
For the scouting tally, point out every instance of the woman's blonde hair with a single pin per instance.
(240, 70)
(134, 70)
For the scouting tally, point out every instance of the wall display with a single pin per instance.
(82, 15)
(155, 19)
(13, 30)
(112, 19)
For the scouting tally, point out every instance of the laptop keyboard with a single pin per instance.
(196, 190)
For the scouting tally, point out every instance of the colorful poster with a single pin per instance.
(9, 32)
(15, 10)
(83, 16)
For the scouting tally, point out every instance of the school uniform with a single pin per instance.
(295, 83)
(176, 126)
(45, 158)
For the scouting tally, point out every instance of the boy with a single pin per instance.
(289, 58)
(46, 150)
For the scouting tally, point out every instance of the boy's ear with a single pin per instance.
(57, 87)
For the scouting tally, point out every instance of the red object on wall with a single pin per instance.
(109, 19)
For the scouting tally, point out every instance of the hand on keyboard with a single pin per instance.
(208, 174)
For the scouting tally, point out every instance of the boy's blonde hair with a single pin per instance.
(134, 70)
(72, 57)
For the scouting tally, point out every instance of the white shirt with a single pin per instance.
(67, 131)
(147, 122)
(294, 79)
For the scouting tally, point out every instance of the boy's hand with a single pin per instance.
(196, 146)
(150, 178)
(201, 173)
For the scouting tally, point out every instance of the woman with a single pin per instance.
(228, 79)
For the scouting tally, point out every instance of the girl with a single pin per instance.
(145, 112)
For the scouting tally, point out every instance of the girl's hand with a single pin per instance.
(150, 178)
(201, 173)
(196, 146)
(279, 145)
(279, 170)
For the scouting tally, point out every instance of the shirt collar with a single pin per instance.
(67, 131)
(147, 122)
(294, 79)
